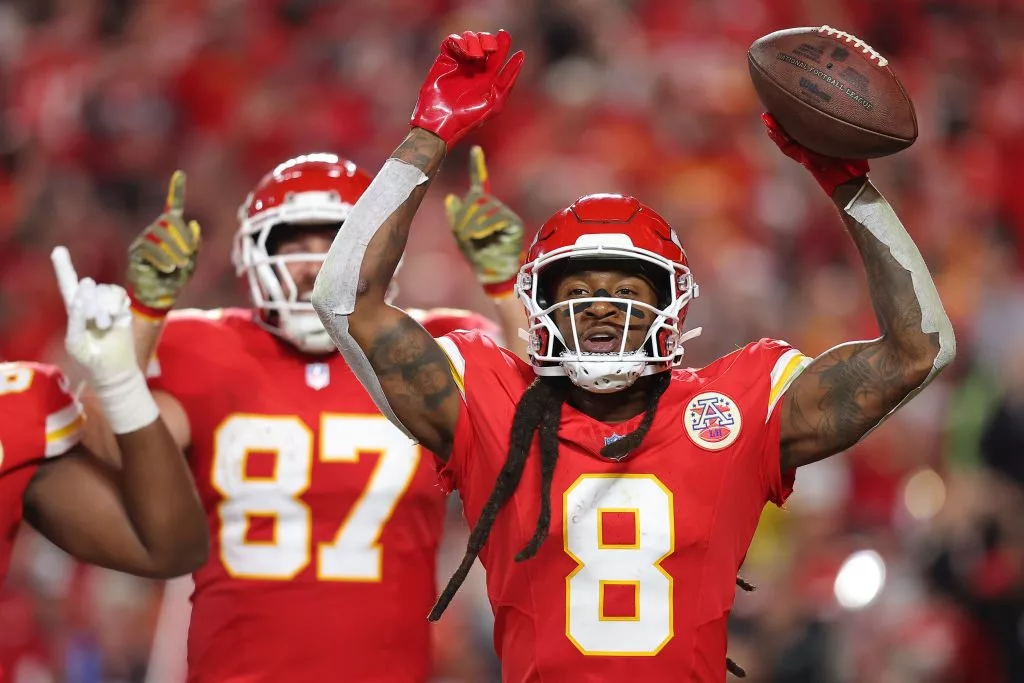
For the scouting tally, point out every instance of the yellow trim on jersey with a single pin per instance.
(61, 441)
(787, 368)
(57, 421)
(64, 428)
(65, 431)
(459, 381)
(456, 363)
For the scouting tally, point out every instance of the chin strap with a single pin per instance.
(687, 336)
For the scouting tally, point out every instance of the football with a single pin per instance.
(832, 93)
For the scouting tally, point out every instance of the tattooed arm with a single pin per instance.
(402, 367)
(411, 369)
(847, 391)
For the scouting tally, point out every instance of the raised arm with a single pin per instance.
(850, 389)
(399, 363)
(144, 516)
(490, 236)
(161, 260)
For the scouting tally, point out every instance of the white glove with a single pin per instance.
(99, 337)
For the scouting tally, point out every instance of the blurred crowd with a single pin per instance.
(899, 561)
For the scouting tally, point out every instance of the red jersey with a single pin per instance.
(637, 577)
(41, 419)
(325, 517)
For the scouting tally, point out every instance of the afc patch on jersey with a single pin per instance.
(712, 420)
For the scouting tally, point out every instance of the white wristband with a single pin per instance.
(127, 402)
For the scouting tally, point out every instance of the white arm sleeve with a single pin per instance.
(871, 210)
(334, 294)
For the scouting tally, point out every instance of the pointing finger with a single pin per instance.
(452, 206)
(175, 204)
(478, 178)
(67, 278)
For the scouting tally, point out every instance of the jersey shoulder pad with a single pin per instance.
(194, 345)
(440, 321)
(773, 362)
(37, 393)
(473, 356)
(195, 338)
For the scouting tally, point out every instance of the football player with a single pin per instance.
(649, 478)
(144, 520)
(326, 518)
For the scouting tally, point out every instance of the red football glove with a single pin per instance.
(828, 171)
(467, 85)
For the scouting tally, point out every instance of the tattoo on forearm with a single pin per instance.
(425, 151)
(850, 389)
(421, 149)
(892, 294)
(412, 366)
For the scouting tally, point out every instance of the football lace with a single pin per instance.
(857, 42)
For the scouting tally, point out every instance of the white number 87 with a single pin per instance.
(355, 553)
(629, 565)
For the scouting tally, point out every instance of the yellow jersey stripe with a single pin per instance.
(456, 363)
(59, 445)
(786, 369)
(66, 430)
(63, 417)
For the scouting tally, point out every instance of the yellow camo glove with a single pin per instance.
(488, 233)
(162, 259)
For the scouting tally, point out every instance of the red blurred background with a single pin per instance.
(103, 99)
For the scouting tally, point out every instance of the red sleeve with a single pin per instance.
(50, 401)
(778, 485)
(490, 381)
(782, 363)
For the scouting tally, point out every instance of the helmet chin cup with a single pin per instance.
(603, 373)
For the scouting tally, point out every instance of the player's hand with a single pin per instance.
(489, 233)
(99, 334)
(468, 83)
(162, 259)
(828, 171)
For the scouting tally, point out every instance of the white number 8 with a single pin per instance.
(632, 563)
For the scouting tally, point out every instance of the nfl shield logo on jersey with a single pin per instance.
(608, 440)
(712, 420)
(318, 376)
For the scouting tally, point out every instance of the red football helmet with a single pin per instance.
(307, 190)
(607, 227)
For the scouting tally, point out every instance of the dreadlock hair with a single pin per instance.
(731, 666)
(539, 410)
